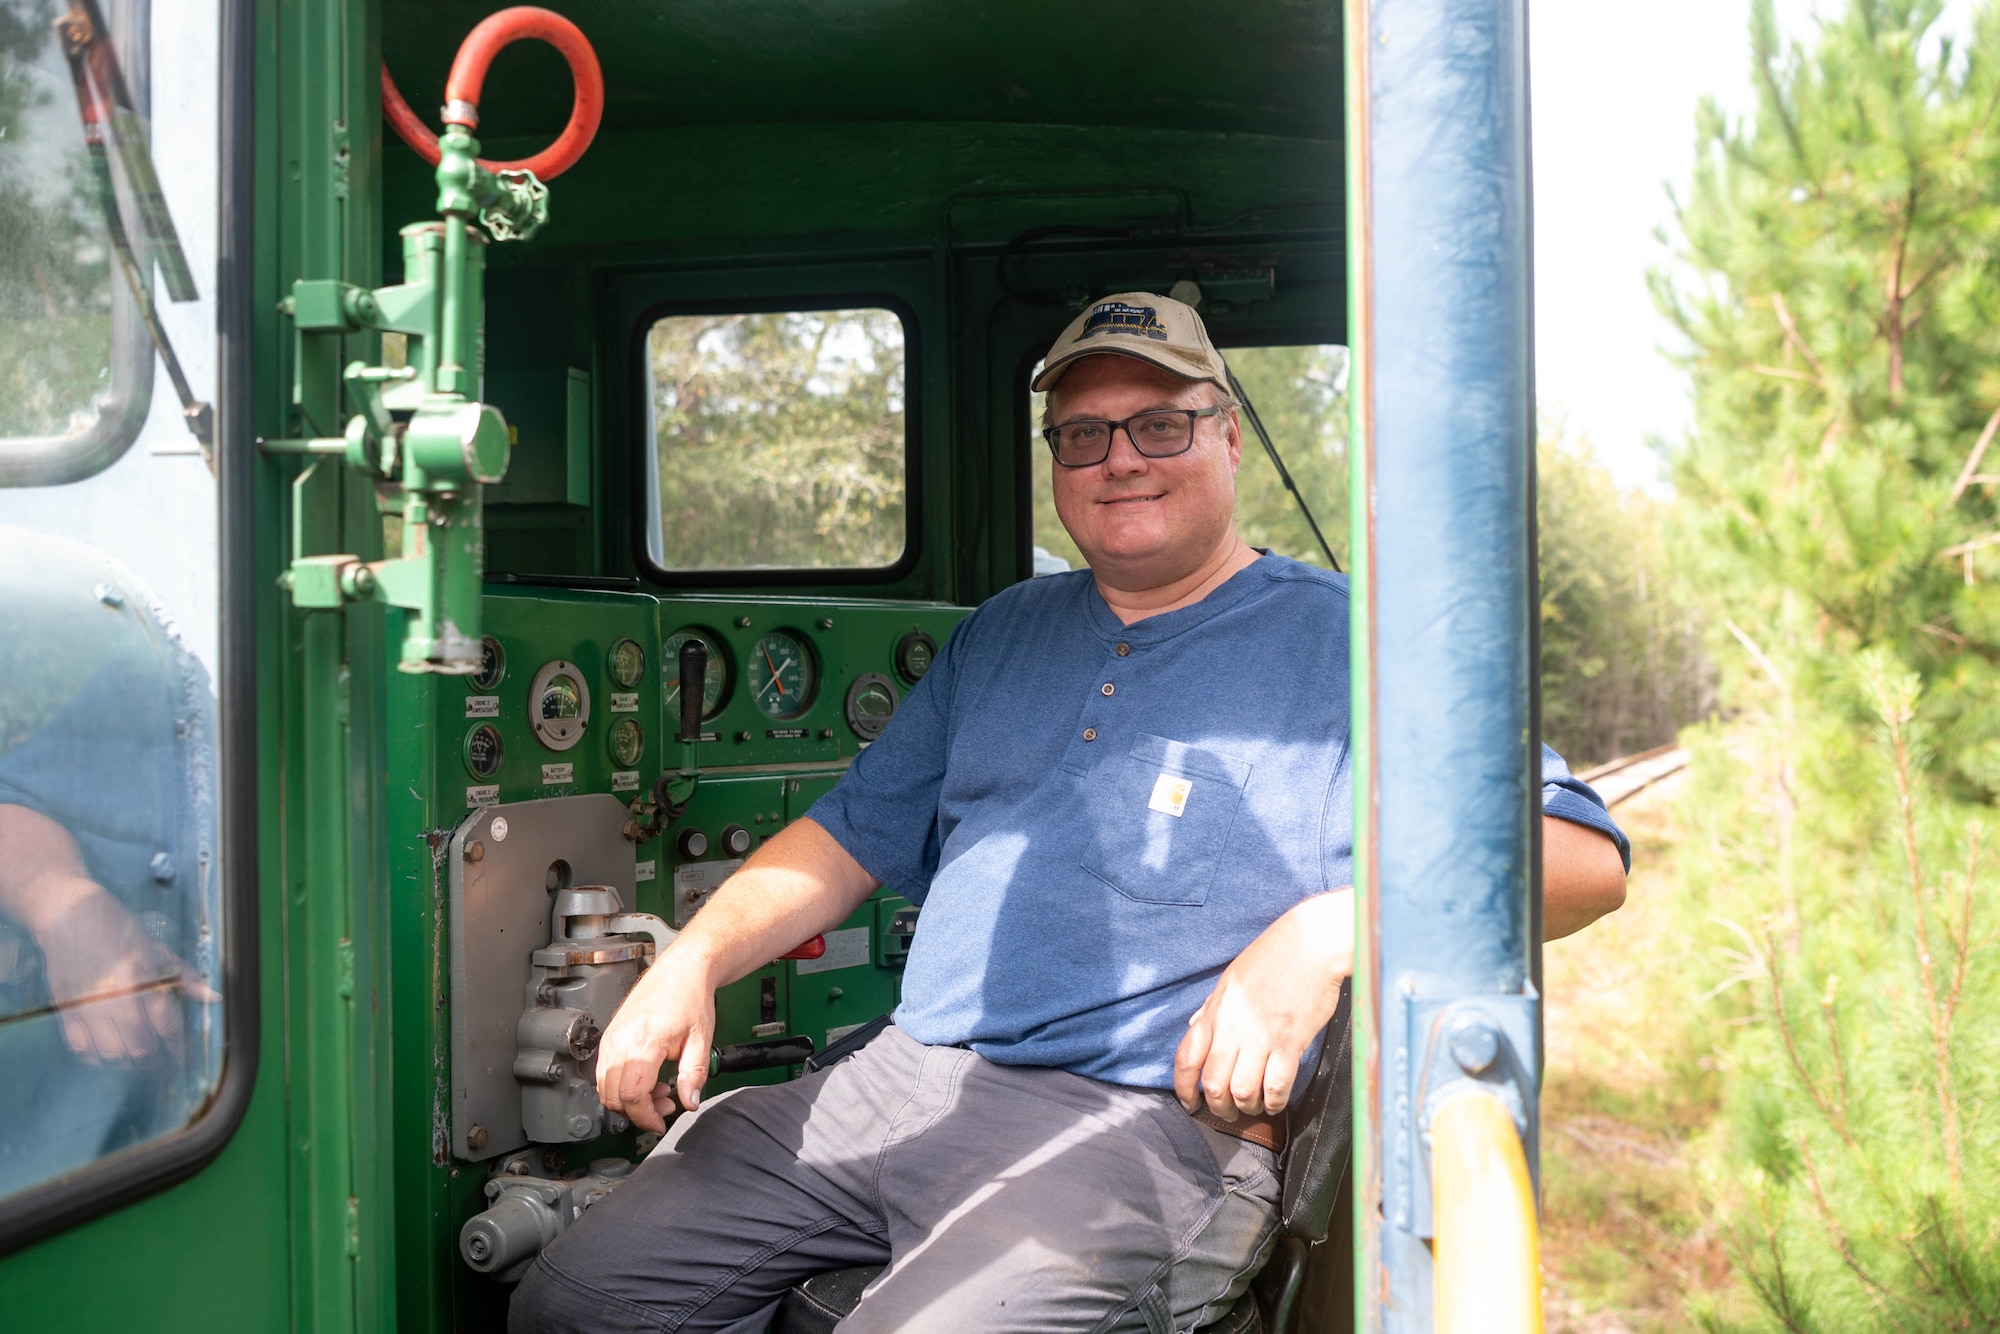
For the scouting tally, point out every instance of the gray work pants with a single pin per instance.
(1001, 1198)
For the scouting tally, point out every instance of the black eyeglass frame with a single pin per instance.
(1049, 433)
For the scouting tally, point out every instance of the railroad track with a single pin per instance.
(1623, 778)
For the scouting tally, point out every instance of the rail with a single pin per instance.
(1627, 776)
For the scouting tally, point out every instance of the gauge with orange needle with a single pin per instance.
(783, 677)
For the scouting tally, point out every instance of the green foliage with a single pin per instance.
(1622, 662)
(781, 439)
(55, 295)
(1838, 290)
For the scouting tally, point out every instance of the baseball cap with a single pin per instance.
(1155, 329)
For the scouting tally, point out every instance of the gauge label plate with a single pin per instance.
(485, 794)
(787, 733)
(553, 774)
(625, 703)
(626, 780)
(643, 870)
(844, 949)
(482, 706)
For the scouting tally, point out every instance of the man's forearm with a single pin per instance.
(1583, 877)
(798, 885)
(42, 876)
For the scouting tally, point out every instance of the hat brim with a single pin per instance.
(1160, 357)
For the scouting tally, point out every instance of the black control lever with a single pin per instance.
(765, 1055)
(694, 683)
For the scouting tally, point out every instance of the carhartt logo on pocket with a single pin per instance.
(1170, 795)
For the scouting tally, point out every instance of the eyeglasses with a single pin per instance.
(1159, 434)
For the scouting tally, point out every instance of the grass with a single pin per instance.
(1631, 1091)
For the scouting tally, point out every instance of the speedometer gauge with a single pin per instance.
(782, 675)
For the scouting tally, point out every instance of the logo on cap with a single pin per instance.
(1117, 317)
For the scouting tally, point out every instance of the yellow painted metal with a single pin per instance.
(1488, 1254)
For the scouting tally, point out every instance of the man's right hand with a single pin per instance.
(670, 1015)
(795, 886)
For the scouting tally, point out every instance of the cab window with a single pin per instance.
(779, 440)
(111, 896)
(1300, 391)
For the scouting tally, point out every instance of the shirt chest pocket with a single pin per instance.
(1160, 820)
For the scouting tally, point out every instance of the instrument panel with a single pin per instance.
(579, 690)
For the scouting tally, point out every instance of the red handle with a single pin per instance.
(812, 949)
(468, 78)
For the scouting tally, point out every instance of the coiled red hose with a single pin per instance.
(468, 78)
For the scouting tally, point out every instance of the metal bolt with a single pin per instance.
(742, 736)
(108, 595)
(475, 1138)
(579, 1127)
(475, 851)
(162, 867)
(826, 622)
(742, 622)
(1475, 1046)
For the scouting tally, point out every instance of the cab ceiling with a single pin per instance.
(1270, 68)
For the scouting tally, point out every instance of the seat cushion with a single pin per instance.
(824, 1300)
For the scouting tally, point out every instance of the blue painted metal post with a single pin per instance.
(1448, 798)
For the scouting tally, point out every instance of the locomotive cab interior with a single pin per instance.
(766, 372)
(762, 379)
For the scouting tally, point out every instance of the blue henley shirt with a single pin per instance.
(1097, 817)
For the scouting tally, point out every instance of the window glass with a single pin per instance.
(778, 440)
(1300, 392)
(110, 900)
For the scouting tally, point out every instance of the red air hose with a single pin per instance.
(468, 77)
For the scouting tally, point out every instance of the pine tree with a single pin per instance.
(1839, 292)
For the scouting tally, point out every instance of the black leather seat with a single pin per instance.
(1313, 1167)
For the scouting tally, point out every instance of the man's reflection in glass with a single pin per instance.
(109, 1031)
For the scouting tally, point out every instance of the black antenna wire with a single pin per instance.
(1257, 425)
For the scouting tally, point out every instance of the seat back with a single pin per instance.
(1318, 1131)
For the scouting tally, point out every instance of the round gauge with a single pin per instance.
(625, 663)
(492, 664)
(713, 682)
(559, 705)
(915, 652)
(782, 677)
(626, 742)
(871, 702)
(483, 751)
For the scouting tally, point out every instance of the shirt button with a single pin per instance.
(1108, 688)
(1090, 734)
(1123, 649)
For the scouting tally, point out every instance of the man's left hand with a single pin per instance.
(1243, 1047)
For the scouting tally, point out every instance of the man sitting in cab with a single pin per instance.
(1123, 797)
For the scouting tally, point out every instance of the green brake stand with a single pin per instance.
(421, 430)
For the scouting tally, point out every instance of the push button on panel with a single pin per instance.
(735, 840)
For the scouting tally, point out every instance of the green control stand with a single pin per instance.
(420, 428)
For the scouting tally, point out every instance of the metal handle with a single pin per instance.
(694, 674)
(1488, 1271)
(765, 1055)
